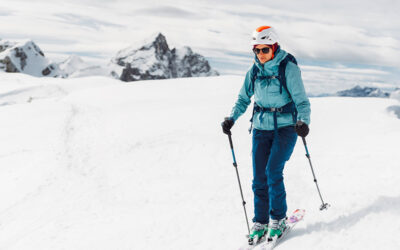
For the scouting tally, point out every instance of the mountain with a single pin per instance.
(74, 66)
(156, 60)
(26, 57)
(358, 91)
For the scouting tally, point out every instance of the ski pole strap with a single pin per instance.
(287, 108)
(252, 115)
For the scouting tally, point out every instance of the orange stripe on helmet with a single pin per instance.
(261, 28)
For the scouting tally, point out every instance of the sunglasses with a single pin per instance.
(264, 50)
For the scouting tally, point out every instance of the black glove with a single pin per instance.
(227, 125)
(302, 129)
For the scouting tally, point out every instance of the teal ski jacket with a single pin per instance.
(267, 94)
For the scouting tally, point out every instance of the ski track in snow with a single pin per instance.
(29, 94)
(16, 215)
(98, 164)
(69, 130)
(382, 204)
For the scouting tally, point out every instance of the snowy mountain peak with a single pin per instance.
(72, 64)
(5, 44)
(73, 60)
(25, 57)
(159, 44)
(155, 60)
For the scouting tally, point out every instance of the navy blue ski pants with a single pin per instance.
(269, 157)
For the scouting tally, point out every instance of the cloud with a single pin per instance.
(168, 11)
(84, 21)
(6, 13)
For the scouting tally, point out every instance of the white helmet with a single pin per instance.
(264, 35)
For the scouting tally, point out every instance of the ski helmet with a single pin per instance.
(264, 35)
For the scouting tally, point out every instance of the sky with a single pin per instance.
(332, 35)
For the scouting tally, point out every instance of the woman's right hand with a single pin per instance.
(227, 124)
(302, 129)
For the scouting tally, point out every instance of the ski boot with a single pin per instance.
(257, 232)
(276, 228)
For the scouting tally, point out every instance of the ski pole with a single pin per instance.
(324, 205)
(240, 186)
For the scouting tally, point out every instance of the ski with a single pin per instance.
(255, 243)
(291, 222)
(266, 244)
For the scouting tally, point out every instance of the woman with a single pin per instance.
(281, 110)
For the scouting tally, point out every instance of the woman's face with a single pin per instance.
(263, 57)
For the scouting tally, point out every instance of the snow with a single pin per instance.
(72, 64)
(141, 59)
(93, 71)
(96, 163)
(395, 94)
(395, 108)
(183, 51)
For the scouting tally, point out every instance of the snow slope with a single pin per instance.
(95, 163)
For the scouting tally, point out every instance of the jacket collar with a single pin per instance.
(279, 56)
